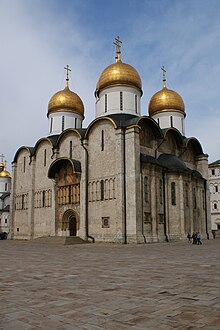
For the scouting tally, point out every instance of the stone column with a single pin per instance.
(181, 206)
(12, 200)
(120, 191)
(31, 200)
(133, 188)
(53, 207)
(153, 202)
(83, 193)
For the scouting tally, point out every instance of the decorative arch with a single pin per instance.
(195, 145)
(173, 143)
(96, 121)
(58, 163)
(70, 223)
(152, 124)
(67, 131)
(29, 149)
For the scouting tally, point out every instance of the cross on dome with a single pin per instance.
(118, 43)
(67, 74)
(2, 158)
(164, 77)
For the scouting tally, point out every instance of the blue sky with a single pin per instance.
(38, 38)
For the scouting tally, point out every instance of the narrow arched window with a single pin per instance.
(135, 104)
(173, 193)
(62, 123)
(51, 124)
(146, 189)
(24, 164)
(121, 101)
(102, 189)
(158, 121)
(71, 149)
(171, 121)
(102, 140)
(215, 206)
(106, 103)
(75, 122)
(194, 198)
(45, 157)
(161, 191)
(43, 198)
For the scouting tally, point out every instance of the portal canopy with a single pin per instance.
(55, 166)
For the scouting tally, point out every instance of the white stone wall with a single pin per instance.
(130, 104)
(214, 186)
(71, 120)
(164, 120)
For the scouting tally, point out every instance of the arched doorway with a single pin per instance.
(72, 226)
(69, 223)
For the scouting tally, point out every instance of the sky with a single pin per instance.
(38, 38)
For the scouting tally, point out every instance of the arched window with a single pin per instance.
(51, 124)
(106, 103)
(161, 191)
(102, 140)
(75, 122)
(146, 189)
(187, 194)
(215, 206)
(194, 198)
(121, 101)
(45, 157)
(102, 189)
(135, 103)
(71, 149)
(62, 123)
(173, 193)
(171, 121)
(158, 121)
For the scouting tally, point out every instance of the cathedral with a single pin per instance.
(126, 178)
(5, 186)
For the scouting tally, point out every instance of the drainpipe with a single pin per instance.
(86, 188)
(158, 147)
(164, 208)
(206, 216)
(124, 186)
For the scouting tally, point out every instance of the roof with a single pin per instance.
(216, 163)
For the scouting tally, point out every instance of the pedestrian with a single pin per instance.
(194, 238)
(189, 237)
(198, 238)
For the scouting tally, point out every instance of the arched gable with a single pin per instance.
(195, 145)
(54, 168)
(173, 143)
(94, 122)
(78, 133)
(28, 149)
(149, 131)
(38, 143)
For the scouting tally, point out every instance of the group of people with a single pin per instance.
(196, 238)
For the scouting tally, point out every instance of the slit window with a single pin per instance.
(45, 157)
(102, 188)
(102, 140)
(106, 103)
(63, 123)
(135, 104)
(173, 193)
(71, 149)
(51, 124)
(171, 121)
(146, 189)
(75, 122)
(121, 101)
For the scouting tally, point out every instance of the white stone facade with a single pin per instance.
(214, 186)
(171, 119)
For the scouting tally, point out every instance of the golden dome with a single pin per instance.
(119, 74)
(166, 100)
(5, 174)
(66, 100)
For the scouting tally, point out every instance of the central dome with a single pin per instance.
(66, 100)
(166, 100)
(119, 74)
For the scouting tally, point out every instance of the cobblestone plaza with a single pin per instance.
(109, 286)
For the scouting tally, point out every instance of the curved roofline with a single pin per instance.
(29, 149)
(99, 119)
(39, 142)
(67, 131)
(153, 123)
(197, 144)
(76, 165)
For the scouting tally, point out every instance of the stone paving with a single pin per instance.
(100, 286)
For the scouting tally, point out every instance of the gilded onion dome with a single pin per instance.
(5, 174)
(166, 100)
(118, 73)
(66, 100)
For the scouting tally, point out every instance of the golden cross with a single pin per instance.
(118, 43)
(67, 71)
(164, 71)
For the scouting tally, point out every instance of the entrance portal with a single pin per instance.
(69, 223)
(72, 226)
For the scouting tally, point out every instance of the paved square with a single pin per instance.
(100, 286)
